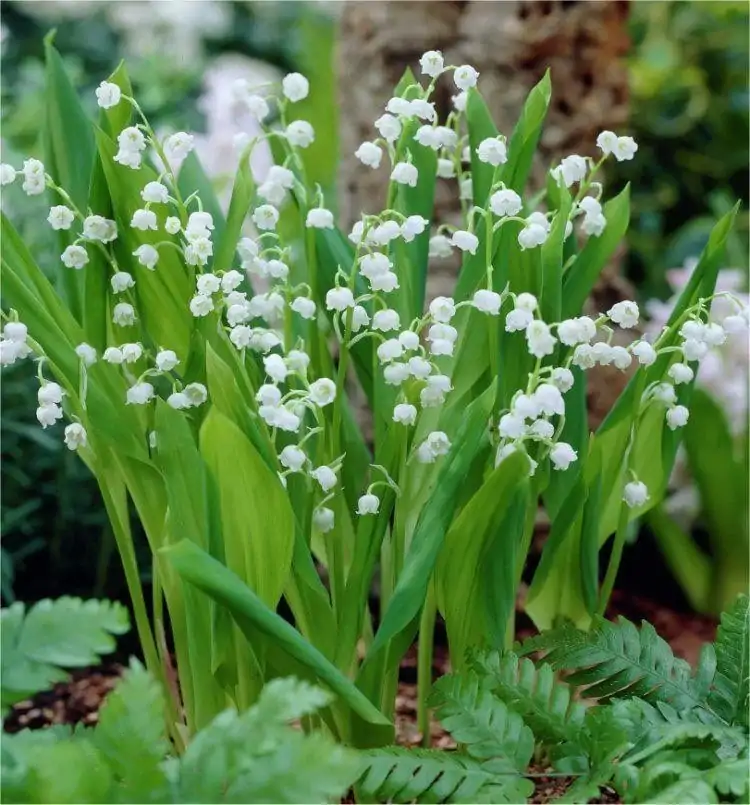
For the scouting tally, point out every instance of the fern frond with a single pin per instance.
(619, 660)
(403, 775)
(731, 694)
(686, 791)
(256, 757)
(287, 698)
(730, 778)
(52, 635)
(543, 702)
(130, 736)
(481, 721)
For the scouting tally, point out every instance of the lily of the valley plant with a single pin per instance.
(202, 365)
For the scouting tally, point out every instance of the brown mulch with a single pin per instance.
(76, 701)
(79, 699)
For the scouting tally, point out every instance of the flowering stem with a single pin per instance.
(614, 560)
(169, 171)
(622, 524)
(424, 665)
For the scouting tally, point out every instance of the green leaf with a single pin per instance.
(481, 127)
(618, 660)
(691, 567)
(65, 633)
(553, 259)
(253, 617)
(289, 699)
(420, 775)
(334, 252)
(130, 736)
(256, 517)
(583, 274)
(163, 295)
(722, 482)
(69, 159)
(480, 721)
(731, 694)
(729, 778)
(239, 206)
(532, 691)
(434, 519)
(255, 757)
(54, 771)
(523, 141)
(480, 535)
(411, 258)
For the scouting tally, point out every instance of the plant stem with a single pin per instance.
(424, 665)
(614, 559)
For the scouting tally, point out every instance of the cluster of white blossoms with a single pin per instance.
(413, 357)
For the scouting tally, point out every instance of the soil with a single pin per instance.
(79, 699)
(76, 701)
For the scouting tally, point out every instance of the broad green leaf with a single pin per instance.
(582, 275)
(408, 597)
(476, 538)
(69, 158)
(234, 399)
(481, 126)
(523, 141)
(589, 545)
(722, 483)
(163, 294)
(253, 617)
(257, 520)
(411, 259)
(552, 261)
(243, 192)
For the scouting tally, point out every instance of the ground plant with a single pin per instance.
(628, 716)
(205, 367)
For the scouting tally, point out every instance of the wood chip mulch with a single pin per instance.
(75, 701)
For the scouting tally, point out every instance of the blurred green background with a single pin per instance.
(689, 114)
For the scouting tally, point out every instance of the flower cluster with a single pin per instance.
(297, 403)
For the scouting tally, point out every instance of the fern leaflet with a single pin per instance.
(543, 702)
(420, 775)
(731, 685)
(482, 722)
(619, 660)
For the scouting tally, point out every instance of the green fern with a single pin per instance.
(250, 757)
(619, 660)
(730, 778)
(256, 757)
(422, 775)
(130, 736)
(52, 635)
(543, 702)
(481, 721)
(731, 694)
